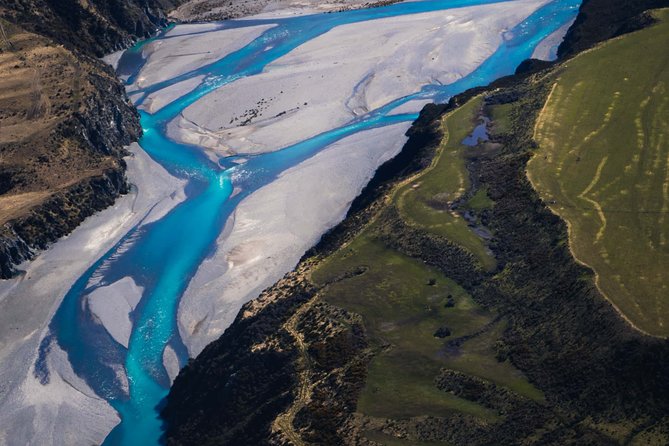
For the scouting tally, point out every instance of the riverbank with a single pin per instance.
(61, 158)
(63, 131)
(272, 229)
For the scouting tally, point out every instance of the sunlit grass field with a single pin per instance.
(603, 165)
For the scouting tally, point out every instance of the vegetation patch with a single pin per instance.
(389, 440)
(435, 199)
(418, 321)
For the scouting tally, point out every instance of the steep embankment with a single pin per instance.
(398, 329)
(64, 117)
(599, 20)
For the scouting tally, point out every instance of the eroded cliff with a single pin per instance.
(64, 116)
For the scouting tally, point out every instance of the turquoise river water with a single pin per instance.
(164, 255)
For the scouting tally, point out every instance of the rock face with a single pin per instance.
(20, 239)
(64, 115)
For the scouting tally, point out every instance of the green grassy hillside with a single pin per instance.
(428, 200)
(603, 166)
(404, 302)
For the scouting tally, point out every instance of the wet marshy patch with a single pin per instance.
(479, 134)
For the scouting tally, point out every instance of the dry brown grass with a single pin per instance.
(41, 86)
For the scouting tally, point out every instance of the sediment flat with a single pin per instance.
(32, 410)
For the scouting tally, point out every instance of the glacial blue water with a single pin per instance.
(162, 256)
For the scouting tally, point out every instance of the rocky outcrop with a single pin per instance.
(95, 27)
(62, 151)
(56, 217)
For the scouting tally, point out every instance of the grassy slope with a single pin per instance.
(402, 309)
(603, 165)
(425, 201)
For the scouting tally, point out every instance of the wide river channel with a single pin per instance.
(163, 256)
